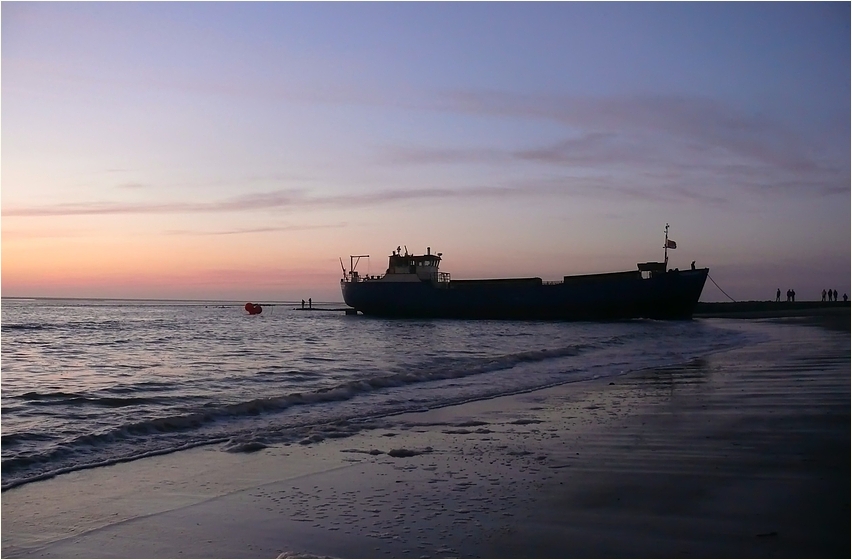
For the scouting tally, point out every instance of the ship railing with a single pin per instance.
(443, 277)
(551, 282)
(355, 277)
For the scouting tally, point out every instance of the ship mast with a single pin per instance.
(666, 247)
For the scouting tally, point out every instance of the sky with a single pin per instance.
(238, 151)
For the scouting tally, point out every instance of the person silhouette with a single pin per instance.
(793, 296)
(844, 298)
(778, 295)
(835, 295)
(310, 304)
(823, 295)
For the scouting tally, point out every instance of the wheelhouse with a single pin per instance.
(403, 267)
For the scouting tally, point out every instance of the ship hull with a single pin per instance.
(612, 296)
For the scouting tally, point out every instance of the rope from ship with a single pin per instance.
(720, 288)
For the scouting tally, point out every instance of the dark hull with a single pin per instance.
(620, 295)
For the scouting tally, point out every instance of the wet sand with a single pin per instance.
(745, 453)
(769, 309)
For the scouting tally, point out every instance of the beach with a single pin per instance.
(740, 453)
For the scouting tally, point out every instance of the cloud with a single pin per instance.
(685, 135)
(704, 121)
(132, 186)
(651, 148)
(425, 155)
(594, 187)
(268, 229)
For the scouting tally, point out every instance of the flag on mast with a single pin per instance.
(670, 244)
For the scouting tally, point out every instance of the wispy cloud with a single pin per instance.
(705, 121)
(267, 229)
(299, 199)
(132, 186)
(286, 198)
(425, 155)
(650, 148)
(684, 135)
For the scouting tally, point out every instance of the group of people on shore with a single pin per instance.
(791, 295)
(832, 295)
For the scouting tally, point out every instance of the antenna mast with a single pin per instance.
(666, 247)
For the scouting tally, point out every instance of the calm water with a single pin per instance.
(92, 382)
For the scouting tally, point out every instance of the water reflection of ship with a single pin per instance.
(413, 286)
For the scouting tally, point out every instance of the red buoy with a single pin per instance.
(253, 308)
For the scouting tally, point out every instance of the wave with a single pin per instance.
(209, 413)
(24, 327)
(62, 398)
(107, 325)
(25, 437)
(344, 391)
(203, 420)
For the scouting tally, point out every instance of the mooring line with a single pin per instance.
(720, 288)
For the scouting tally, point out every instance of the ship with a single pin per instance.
(414, 287)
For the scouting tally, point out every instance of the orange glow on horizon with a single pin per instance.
(162, 267)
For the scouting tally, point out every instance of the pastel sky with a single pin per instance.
(237, 150)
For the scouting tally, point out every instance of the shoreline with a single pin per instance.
(768, 309)
(741, 453)
(832, 316)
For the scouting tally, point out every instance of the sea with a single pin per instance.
(88, 383)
